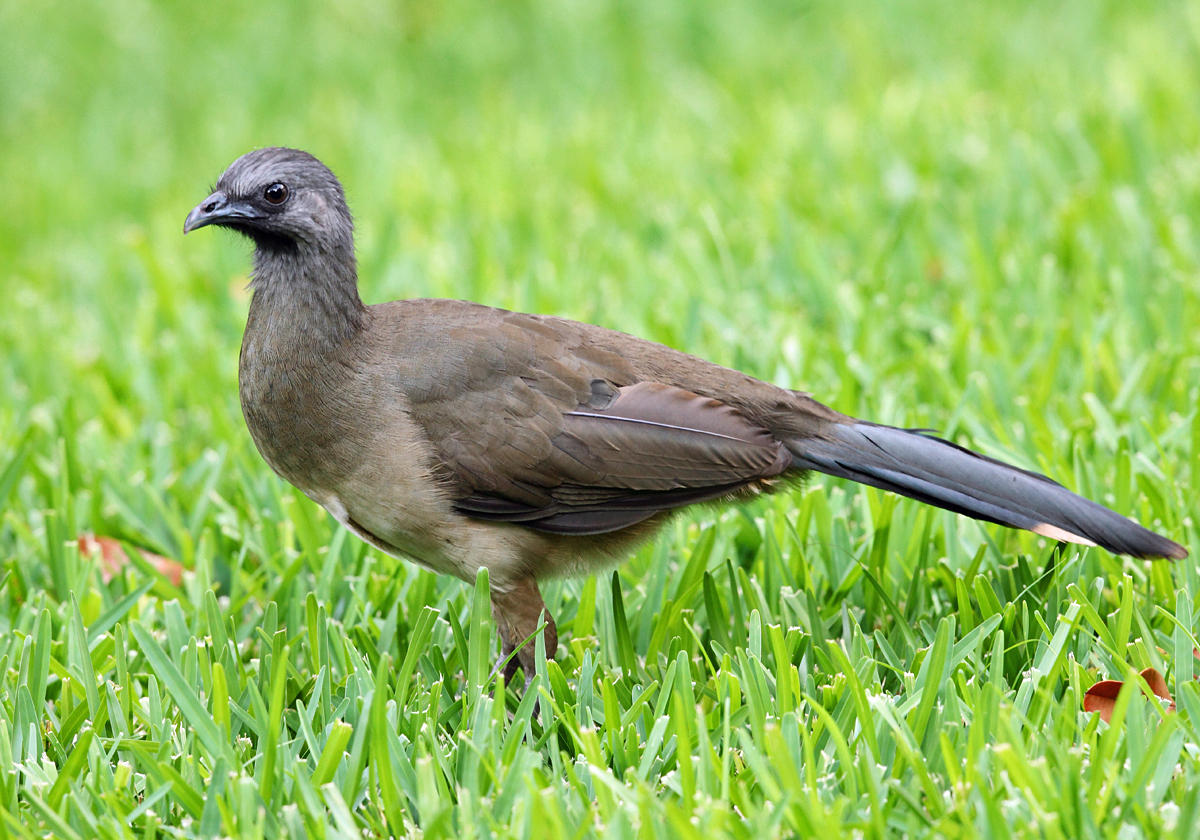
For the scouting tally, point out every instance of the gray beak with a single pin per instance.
(218, 209)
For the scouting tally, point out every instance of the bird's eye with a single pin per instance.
(276, 193)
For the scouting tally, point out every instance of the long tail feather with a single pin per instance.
(937, 472)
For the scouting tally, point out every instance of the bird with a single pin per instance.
(460, 436)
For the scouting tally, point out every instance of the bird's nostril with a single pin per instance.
(209, 206)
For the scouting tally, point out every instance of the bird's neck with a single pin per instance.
(306, 300)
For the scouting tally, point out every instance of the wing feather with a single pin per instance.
(650, 448)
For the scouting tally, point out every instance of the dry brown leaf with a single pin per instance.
(113, 558)
(1102, 697)
(1158, 684)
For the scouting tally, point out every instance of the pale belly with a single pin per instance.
(396, 532)
(391, 501)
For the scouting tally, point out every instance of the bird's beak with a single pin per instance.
(217, 209)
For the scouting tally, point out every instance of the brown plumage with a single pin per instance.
(461, 436)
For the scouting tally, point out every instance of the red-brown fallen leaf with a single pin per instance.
(1102, 697)
(113, 558)
(1158, 684)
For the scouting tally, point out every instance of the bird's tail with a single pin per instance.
(937, 472)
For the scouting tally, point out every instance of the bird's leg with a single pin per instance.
(519, 612)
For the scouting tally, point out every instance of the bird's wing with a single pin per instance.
(627, 454)
(562, 440)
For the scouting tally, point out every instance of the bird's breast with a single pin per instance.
(340, 431)
(299, 412)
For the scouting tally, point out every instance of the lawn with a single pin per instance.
(979, 218)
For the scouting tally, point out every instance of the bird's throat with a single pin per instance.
(304, 304)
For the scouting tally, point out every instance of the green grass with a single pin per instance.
(980, 219)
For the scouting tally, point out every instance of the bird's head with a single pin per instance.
(283, 199)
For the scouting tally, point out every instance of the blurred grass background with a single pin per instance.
(979, 218)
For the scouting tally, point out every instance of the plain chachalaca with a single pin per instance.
(462, 436)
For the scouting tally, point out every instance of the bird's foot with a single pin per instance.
(521, 616)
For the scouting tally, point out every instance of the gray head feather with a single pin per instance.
(312, 214)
